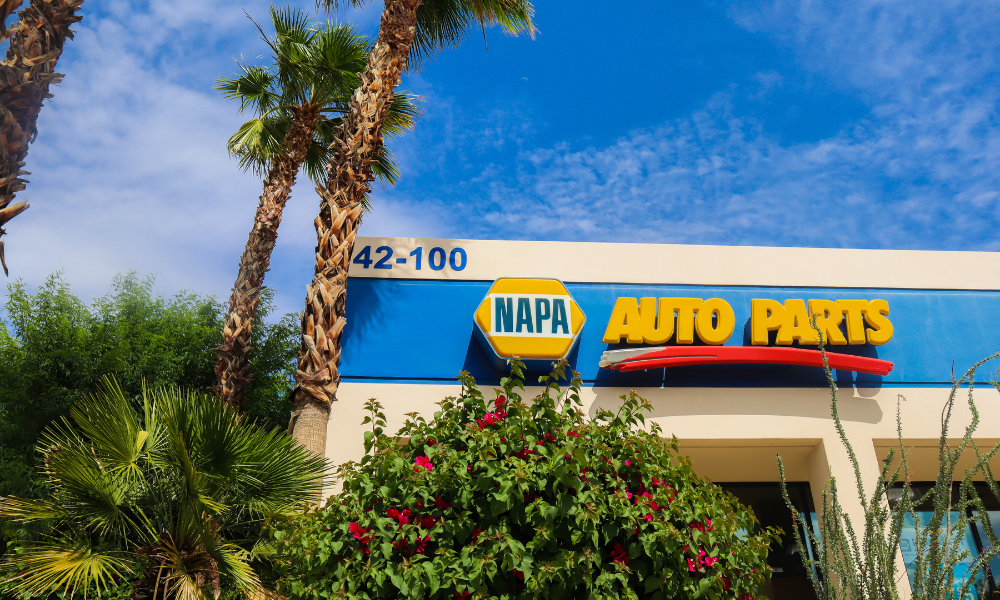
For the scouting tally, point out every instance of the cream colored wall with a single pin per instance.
(695, 265)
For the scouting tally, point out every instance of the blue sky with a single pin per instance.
(867, 124)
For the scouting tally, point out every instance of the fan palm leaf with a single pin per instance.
(175, 488)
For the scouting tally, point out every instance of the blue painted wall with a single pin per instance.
(422, 331)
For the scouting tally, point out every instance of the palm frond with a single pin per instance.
(70, 564)
(97, 496)
(403, 114)
(113, 428)
(444, 24)
(384, 167)
(334, 5)
(253, 88)
(27, 509)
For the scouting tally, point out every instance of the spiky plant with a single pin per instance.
(409, 31)
(36, 43)
(173, 493)
(858, 561)
(298, 102)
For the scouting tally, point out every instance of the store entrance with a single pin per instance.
(789, 580)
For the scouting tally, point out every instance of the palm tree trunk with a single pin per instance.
(36, 42)
(350, 174)
(232, 369)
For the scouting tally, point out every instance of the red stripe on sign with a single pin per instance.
(685, 356)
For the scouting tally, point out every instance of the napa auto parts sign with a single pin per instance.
(539, 321)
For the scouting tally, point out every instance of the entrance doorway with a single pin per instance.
(789, 579)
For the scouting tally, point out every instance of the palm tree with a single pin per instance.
(409, 29)
(36, 42)
(297, 103)
(172, 492)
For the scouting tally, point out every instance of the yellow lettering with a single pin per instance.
(765, 317)
(686, 308)
(855, 311)
(724, 321)
(795, 325)
(657, 327)
(624, 322)
(829, 315)
(881, 327)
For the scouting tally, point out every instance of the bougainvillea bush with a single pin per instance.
(497, 498)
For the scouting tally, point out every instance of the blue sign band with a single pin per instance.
(402, 330)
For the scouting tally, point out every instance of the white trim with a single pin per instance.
(579, 262)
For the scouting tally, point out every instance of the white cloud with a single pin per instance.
(130, 169)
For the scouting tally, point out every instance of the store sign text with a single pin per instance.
(658, 320)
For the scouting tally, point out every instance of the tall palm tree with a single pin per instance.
(409, 31)
(36, 42)
(297, 103)
(173, 494)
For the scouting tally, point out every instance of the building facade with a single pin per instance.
(717, 338)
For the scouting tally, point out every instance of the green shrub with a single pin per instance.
(503, 499)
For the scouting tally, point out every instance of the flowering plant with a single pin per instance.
(504, 499)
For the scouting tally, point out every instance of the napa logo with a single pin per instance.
(534, 319)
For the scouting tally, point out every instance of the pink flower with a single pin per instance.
(692, 566)
(618, 554)
(357, 530)
(628, 463)
(572, 434)
(648, 517)
(422, 462)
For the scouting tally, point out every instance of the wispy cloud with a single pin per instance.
(919, 171)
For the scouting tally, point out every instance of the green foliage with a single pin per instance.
(503, 499)
(861, 558)
(171, 495)
(54, 349)
(445, 23)
(311, 66)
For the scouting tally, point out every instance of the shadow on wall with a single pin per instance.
(784, 402)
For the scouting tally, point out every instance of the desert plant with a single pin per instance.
(497, 498)
(858, 561)
(172, 494)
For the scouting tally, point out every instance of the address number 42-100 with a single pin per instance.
(437, 258)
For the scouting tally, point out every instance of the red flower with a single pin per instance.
(422, 544)
(431, 442)
(462, 595)
(572, 434)
(403, 516)
(692, 565)
(475, 535)
(428, 522)
(357, 530)
(518, 575)
(422, 462)
(529, 497)
(442, 504)
(618, 554)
